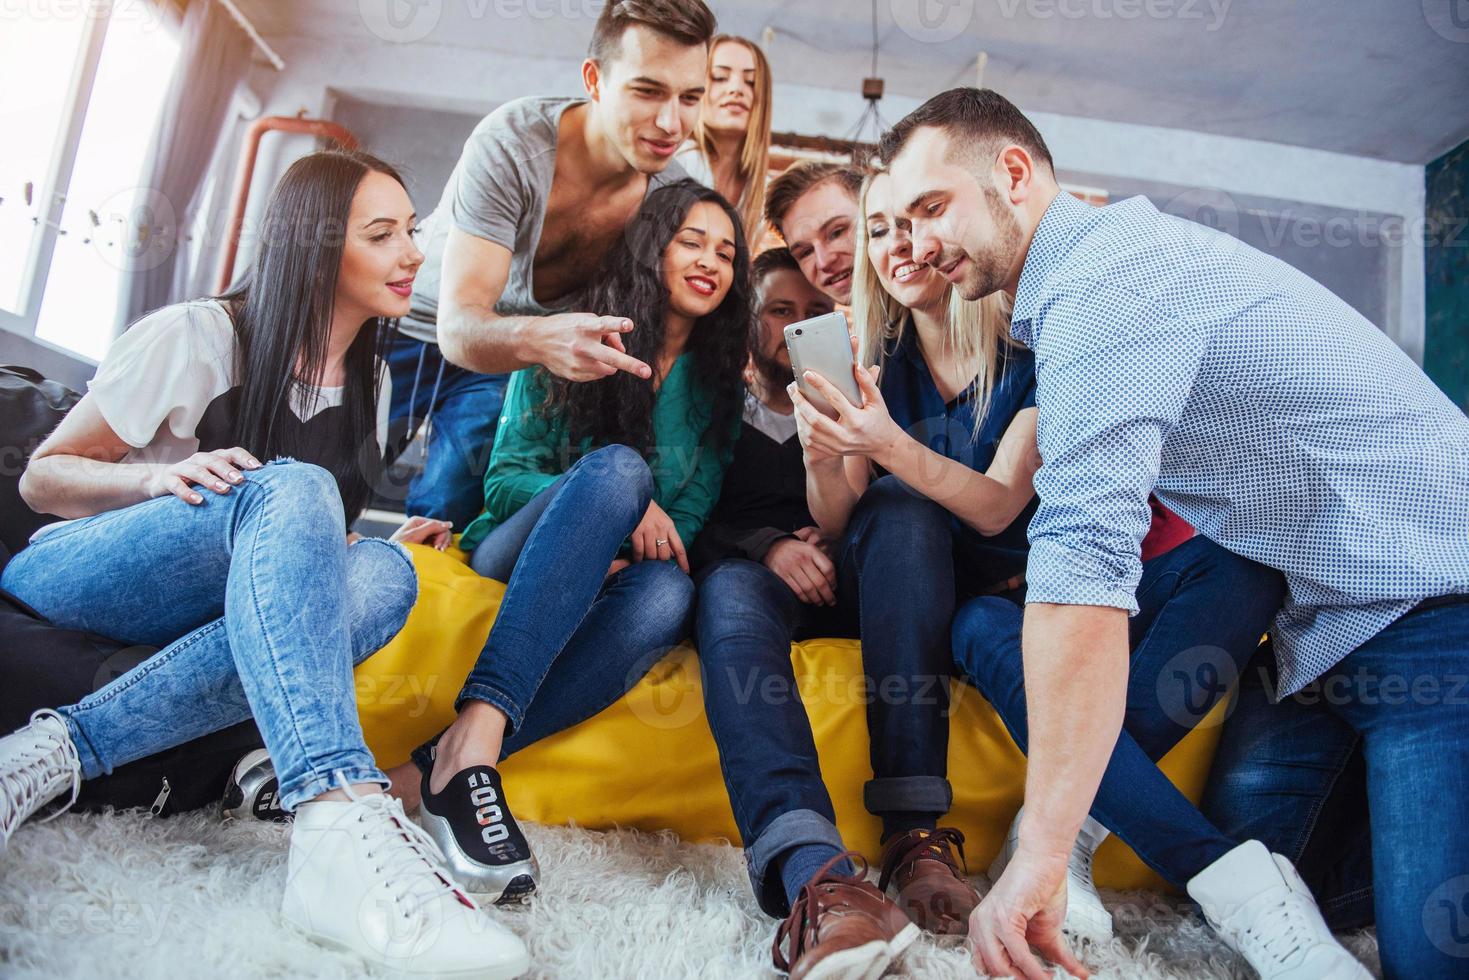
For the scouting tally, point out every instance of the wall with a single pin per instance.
(1446, 269)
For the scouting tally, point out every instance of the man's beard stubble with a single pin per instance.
(989, 269)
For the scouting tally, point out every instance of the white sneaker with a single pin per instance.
(38, 763)
(1086, 917)
(1260, 906)
(365, 878)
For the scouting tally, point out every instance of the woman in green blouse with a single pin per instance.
(592, 491)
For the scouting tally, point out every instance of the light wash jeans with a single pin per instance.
(260, 607)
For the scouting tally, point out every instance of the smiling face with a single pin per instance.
(783, 297)
(379, 258)
(913, 284)
(647, 98)
(963, 224)
(731, 96)
(820, 229)
(698, 264)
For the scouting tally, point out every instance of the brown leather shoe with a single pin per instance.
(930, 886)
(841, 928)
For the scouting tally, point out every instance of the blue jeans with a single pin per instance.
(1385, 732)
(746, 619)
(898, 562)
(465, 408)
(897, 579)
(569, 640)
(1201, 611)
(260, 607)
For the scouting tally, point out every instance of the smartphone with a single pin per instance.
(823, 345)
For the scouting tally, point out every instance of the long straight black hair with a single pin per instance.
(629, 283)
(282, 312)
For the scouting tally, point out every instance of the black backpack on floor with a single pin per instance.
(43, 665)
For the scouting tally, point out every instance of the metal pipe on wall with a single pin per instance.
(323, 128)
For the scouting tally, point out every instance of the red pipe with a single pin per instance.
(246, 172)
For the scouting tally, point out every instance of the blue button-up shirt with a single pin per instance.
(947, 428)
(1256, 404)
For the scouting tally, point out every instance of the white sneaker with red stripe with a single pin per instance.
(366, 879)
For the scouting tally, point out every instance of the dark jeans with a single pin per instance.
(896, 566)
(898, 561)
(1385, 732)
(569, 640)
(465, 409)
(746, 619)
(1201, 611)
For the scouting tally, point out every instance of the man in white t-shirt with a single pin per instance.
(542, 189)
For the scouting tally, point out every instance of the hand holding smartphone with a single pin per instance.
(823, 345)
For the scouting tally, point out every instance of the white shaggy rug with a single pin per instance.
(124, 895)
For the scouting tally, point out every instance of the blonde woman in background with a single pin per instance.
(730, 148)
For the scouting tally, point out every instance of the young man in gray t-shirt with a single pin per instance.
(541, 190)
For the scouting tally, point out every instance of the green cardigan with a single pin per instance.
(531, 453)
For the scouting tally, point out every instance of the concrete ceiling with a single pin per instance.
(1376, 78)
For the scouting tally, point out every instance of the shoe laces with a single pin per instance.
(1280, 929)
(32, 776)
(402, 853)
(1080, 865)
(932, 844)
(800, 925)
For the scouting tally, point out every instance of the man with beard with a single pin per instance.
(1173, 359)
(766, 576)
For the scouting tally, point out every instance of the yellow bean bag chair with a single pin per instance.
(649, 762)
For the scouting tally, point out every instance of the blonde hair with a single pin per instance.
(755, 148)
(978, 332)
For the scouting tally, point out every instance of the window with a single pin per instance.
(81, 98)
(37, 57)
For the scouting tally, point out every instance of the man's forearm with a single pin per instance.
(1076, 661)
(477, 339)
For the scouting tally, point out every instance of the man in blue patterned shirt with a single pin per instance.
(1264, 410)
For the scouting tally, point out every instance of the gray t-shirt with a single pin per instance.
(498, 191)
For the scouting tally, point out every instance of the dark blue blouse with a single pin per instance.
(914, 402)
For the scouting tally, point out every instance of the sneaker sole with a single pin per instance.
(506, 971)
(232, 806)
(866, 962)
(507, 883)
(519, 891)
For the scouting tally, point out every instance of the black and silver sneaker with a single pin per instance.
(482, 843)
(253, 791)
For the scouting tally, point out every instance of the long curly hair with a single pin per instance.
(629, 283)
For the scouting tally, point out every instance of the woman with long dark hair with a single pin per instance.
(591, 493)
(242, 571)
